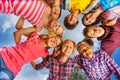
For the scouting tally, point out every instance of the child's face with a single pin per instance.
(85, 50)
(72, 18)
(95, 31)
(109, 22)
(56, 27)
(67, 48)
(55, 12)
(89, 18)
(53, 41)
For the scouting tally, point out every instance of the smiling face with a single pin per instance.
(53, 41)
(55, 12)
(67, 48)
(95, 31)
(57, 27)
(72, 18)
(89, 18)
(85, 50)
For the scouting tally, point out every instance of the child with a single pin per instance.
(14, 57)
(91, 17)
(37, 12)
(53, 28)
(76, 7)
(97, 65)
(108, 34)
(60, 65)
(55, 8)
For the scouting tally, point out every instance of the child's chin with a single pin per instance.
(90, 56)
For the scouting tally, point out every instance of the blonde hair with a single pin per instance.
(46, 36)
(50, 31)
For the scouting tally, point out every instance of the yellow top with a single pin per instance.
(80, 5)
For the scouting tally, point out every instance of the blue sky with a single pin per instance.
(7, 27)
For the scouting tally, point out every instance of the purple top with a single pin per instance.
(99, 67)
(111, 38)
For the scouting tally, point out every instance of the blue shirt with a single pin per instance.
(107, 4)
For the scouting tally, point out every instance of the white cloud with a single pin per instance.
(9, 21)
(28, 73)
(6, 25)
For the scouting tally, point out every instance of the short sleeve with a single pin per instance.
(33, 39)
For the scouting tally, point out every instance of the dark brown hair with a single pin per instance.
(87, 40)
(69, 26)
(96, 22)
(60, 12)
(85, 31)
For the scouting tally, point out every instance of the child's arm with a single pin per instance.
(24, 31)
(19, 24)
(33, 63)
(112, 13)
(77, 61)
(114, 68)
(45, 63)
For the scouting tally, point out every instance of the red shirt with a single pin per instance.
(111, 38)
(16, 56)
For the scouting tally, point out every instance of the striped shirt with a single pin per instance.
(32, 10)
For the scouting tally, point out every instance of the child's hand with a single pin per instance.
(56, 52)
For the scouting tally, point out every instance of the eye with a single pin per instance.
(51, 40)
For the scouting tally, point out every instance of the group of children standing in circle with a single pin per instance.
(44, 14)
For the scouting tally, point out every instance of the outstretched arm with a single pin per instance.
(114, 68)
(77, 61)
(20, 23)
(25, 31)
(45, 63)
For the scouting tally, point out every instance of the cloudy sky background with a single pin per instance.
(7, 27)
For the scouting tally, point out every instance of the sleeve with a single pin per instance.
(45, 63)
(105, 45)
(34, 34)
(107, 4)
(77, 60)
(33, 39)
(114, 68)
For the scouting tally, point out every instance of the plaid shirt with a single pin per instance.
(99, 67)
(58, 69)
